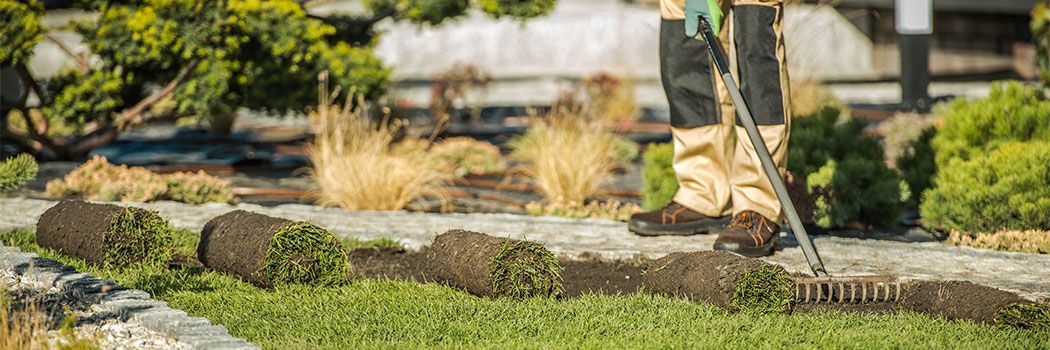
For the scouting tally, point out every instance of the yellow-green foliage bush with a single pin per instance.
(1011, 112)
(1040, 26)
(464, 155)
(1005, 189)
(20, 30)
(99, 180)
(16, 171)
(659, 183)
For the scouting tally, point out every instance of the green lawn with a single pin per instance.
(384, 314)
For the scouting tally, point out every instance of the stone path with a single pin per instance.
(105, 301)
(1027, 274)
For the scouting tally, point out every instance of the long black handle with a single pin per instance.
(763, 153)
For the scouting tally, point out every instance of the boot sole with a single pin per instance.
(643, 228)
(751, 252)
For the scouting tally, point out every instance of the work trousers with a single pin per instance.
(719, 174)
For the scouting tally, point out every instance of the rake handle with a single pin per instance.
(763, 153)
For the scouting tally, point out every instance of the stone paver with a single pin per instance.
(107, 298)
(1027, 274)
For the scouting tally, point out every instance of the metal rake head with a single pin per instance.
(858, 289)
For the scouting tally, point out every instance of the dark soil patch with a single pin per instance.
(394, 263)
(609, 277)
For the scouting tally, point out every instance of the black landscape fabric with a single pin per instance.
(726, 280)
(489, 266)
(104, 234)
(969, 301)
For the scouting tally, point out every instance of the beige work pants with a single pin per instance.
(719, 174)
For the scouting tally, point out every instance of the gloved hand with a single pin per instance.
(694, 9)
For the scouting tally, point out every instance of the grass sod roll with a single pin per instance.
(723, 279)
(489, 266)
(105, 234)
(956, 300)
(268, 251)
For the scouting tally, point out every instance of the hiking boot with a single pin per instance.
(750, 234)
(674, 220)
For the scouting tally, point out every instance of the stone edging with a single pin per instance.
(131, 305)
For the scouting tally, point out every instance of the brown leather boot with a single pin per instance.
(674, 220)
(750, 234)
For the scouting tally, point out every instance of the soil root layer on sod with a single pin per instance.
(965, 300)
(105, 234)
(493, 267)
(726, 280)
(268, 251)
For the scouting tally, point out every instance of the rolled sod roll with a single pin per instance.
(727, 280)
(965, 300)
(105, 234)
(494, 267)
(268, 251)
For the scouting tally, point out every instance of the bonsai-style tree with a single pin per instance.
(202, 58)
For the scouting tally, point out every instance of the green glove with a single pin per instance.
(694, 9)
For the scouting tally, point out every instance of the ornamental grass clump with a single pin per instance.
(1028, 241)
(268, 251)
(567, 156)
(358, 164)
(105, 234)
(16, 171)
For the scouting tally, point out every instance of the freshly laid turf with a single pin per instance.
(268, 251)
(726, 280)
(966, 300)
(105, 234)
(494, 267)
(372, 314)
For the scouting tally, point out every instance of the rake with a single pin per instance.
(821, 288)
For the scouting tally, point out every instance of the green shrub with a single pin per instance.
(20, 30)
(1040, 26)
(659, 183)
(1006, 189)
(1012, 112)
(16, 171)
(917, 166)
(856, 189)
(844, 170)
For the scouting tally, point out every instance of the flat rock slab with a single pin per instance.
(1026, 274)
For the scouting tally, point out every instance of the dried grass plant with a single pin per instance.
(358, 164)
(568, 156)
(1029, 241)
(21, 328)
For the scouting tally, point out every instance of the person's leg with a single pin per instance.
(703, 139)
(764, 85)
